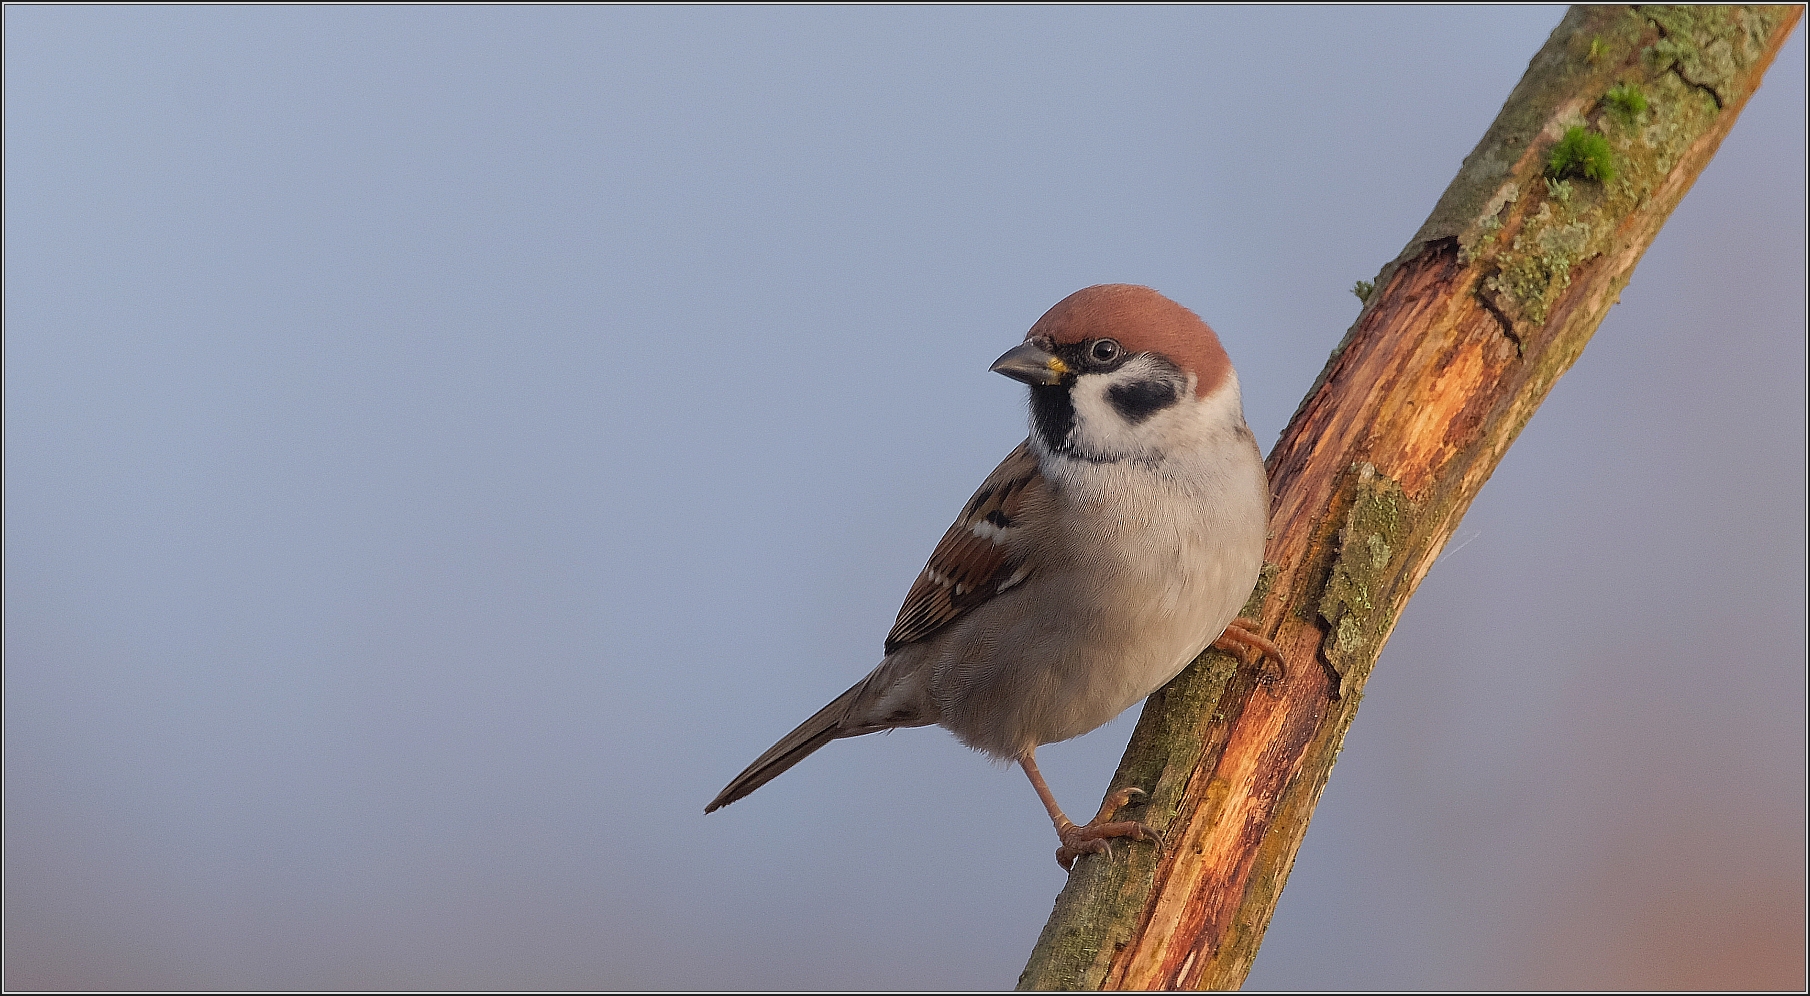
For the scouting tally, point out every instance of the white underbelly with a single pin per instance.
(1117, 666)
(1017, 676)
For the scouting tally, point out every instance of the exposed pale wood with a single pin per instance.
(1462, 339)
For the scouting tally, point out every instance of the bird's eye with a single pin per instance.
(1104, 351)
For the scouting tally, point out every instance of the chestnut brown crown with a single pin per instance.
(1143, 321)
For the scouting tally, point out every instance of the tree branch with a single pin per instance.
(1457, 345)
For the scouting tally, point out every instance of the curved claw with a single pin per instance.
(1093, 839)
(1116, 801)
(1244, 639)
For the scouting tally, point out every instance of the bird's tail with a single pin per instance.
(793, 748)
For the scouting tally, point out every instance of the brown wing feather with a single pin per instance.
(981, 555)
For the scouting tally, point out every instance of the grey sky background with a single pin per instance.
(444, 445)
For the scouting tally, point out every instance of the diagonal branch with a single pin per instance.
(1462, 338)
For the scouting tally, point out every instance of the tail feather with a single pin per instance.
(793, 748)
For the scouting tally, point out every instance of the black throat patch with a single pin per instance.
(1052, 415)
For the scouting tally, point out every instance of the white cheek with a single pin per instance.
(1102, 431)
(1099, 428)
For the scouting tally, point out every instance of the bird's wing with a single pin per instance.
(982, 554)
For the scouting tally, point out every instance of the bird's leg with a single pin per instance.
(1090, 839)
(1242, 641)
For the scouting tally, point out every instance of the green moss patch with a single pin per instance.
(1584, 153)
(1627, 101)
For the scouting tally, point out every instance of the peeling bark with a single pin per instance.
(1463, 337)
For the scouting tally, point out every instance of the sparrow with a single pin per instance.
(1098, 559)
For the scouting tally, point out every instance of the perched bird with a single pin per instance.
(1100, 558)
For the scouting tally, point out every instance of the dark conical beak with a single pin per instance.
(1030, 363)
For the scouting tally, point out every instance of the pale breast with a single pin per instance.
(1151, 569)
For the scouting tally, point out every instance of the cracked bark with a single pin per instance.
(1465, 334)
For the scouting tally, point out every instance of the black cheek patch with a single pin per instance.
(1142, 399)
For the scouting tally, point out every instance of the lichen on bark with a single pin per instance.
(1707, 46)
(1356, 612)
(1686, 63)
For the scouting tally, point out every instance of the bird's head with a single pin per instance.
(1119, 372)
